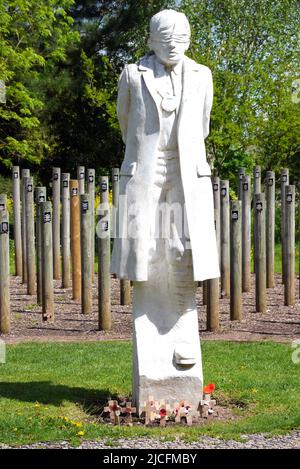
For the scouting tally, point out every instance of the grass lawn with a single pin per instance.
(49, 391)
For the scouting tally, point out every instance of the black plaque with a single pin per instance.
(284, 178)
(270, 181)
(104, 186)
(215, 187)
(65, 183)
(85, 205)
(4, 227)
(2, 206)
(29, 187)
(116, 177)
(47, 217)
(245, 186)
(257, 174)
(259, 206)
(41, 198)
(234, 215)
(91, 178)
(81, 175)
(223, 191)
(241, 175)
(16, 175)
(55, 177)
(289, 198)
(74, 191)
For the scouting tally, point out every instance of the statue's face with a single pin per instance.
(170, 47)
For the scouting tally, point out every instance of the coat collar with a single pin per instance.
(146, 67)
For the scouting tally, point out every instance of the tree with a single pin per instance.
(251, 48)
(33, 37)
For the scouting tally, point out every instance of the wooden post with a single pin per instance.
(25, 173)
(236, 308)
(30, 241)
(213, 294)
(246, 234)
(257, 180)
(47, 262)
(65, 228)
(40, 197)
(3, 202)
(17, 220)
(241, 174)
(4, 273)
(216, 193)
(225, 239)
(81, 179)
(103, 232)
(260, 252)
(284, 181)
(56, 222)
(270, 226)
(289, 242)
(91, 192)
(86, 266)
(75, 239)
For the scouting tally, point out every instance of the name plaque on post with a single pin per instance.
(4, 227)
(47, 217)
(289, 198)
(85, 206)
(215, 187)
(65, 183)
(74, 191)
(259, 206)
(103, 186)
(234, 215)
(29, 187)
(223, 191)
(91, 178)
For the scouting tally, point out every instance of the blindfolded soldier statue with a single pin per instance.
(165, 239)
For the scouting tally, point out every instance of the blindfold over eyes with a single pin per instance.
(166, 38)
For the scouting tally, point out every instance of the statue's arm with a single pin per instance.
(207, 104)
(123, 102)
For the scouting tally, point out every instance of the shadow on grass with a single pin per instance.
(91, 401)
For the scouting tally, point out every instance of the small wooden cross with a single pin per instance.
(114, 411)
(182, 409)
(128, 410)
(149, 408)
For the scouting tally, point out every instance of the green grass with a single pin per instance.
(49, 391)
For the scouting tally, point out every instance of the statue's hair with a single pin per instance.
(165, 20)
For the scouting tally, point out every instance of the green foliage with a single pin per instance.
(33, 37)
(251, 48)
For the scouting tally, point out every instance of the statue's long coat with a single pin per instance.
(139, 119)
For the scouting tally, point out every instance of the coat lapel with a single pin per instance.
(189, 68)
(146, 66)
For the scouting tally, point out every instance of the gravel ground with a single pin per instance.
(278, 323)
(257, 441)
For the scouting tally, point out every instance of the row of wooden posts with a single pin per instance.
(233, 230)
(59, 242)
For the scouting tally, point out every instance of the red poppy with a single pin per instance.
(162, 412)
(209, 388)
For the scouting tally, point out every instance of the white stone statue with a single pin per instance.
(165, 240)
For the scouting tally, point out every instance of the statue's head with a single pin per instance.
(169, 36)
